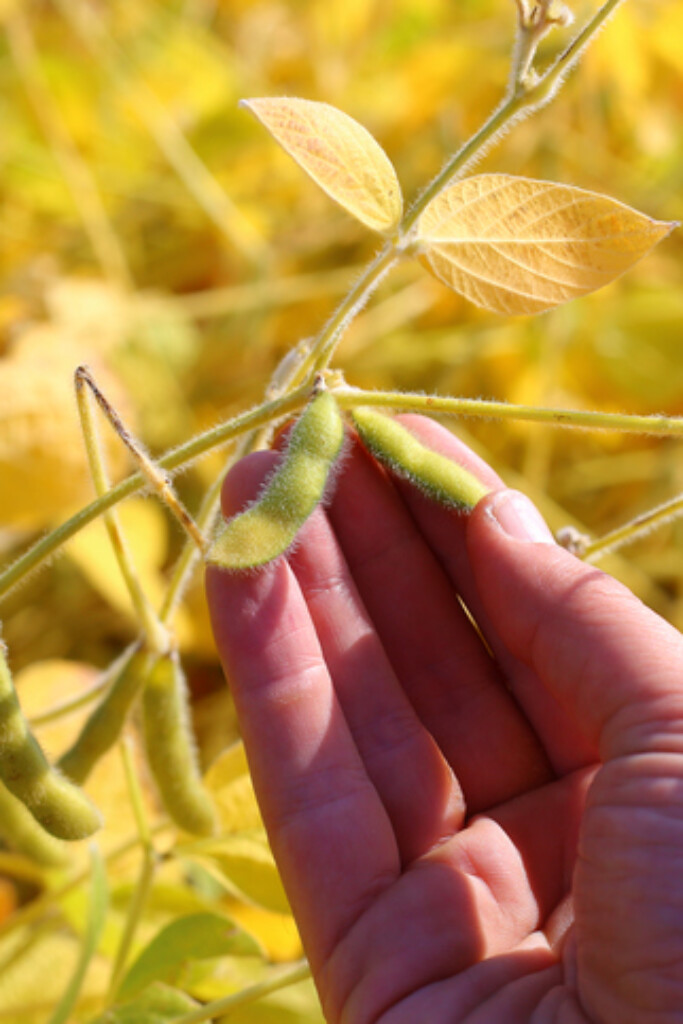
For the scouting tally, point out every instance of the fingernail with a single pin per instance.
(515, 515)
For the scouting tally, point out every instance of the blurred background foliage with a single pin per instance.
(151, 228)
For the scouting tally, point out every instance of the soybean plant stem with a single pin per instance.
(524, 96)
(666, 426)
(178, 457)
(145, 878)
(326, 342)
(521, 100)
(636, 528)
(154, 632)
(187, 560)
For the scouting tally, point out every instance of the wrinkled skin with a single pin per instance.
(468, 831)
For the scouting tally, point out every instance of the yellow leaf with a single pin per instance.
(275, 932)
(246, 865)
(230, 785)
(339, 154)
(144, 527)
(514, 245)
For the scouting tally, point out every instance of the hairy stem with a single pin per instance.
(154, 632)
(520, 101)
(665, 426)
(177, 458)
(633, 530)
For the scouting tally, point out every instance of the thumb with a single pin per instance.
(613, 664)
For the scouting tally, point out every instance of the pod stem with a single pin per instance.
(145, 878)
(633, 530)
(86, 390)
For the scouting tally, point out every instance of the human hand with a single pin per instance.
(470, 831)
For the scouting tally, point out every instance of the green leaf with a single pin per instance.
(156, 1005)
(194, 937)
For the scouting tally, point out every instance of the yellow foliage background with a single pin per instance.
(151, 228)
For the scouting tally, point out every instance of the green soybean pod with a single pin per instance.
(104, 725)
(269, 527)
(60, 807)
(400, 451)
(20, 831)
(171, 750)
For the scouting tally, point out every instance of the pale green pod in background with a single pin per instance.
(103, 726)
(20, 832)
(435, 475)
(60, 807)
(171, 750)
(269, 527)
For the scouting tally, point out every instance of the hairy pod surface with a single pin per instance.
(269, 527)
(171, 750)
(20, 831)
(435, 475)
(57, 804)
(105, 723)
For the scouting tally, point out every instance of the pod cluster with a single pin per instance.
(58, 806)
(38, 801)
(269, 527)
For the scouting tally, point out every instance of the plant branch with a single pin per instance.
(155, 634)
(175, 459)
(519, 102)
(665, 426)
(324, 345)
(633, 530)
(523, 98)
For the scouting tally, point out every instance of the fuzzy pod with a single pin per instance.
(435, 475)
(171, 749)
(267, 528)
(57, 804)
(20, 831)
(104, 725)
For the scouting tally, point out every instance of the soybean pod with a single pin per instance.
(20, 831)
(60, 807)
(269, 527)
(104, 725)
(401, 452)
(170, 747)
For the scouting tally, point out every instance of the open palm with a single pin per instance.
(474, 823)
